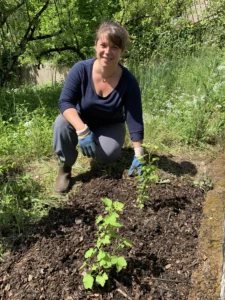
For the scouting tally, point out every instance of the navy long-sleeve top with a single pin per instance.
(122, 104)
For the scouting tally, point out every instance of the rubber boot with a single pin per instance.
(63, 179)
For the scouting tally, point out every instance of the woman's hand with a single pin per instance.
(88, 145)
(136, 166)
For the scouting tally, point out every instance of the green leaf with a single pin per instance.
(127, 242)
(108, 203)
(101, 254)
(112, 220)
(101, 279)
(100, 226)
(118, 206)
(88, 281)
(89, 253)
(106, 240)
(114, 259)
(99, 219)
(164, 181)
(105, 263)
(121, 262)
(99, 243)
(94, 267)
(114, 235)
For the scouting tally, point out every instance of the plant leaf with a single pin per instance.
(121, 262)
(108, 203)
(118, 205)
(94, 267)
(114, 260)
(105, 263)
(89, 253)
(101, 279)
(114, 235)
(127, 242)
(99, 242)
(88, 281)
(99, 219)
(106, 239)
(101, 254)
(112, 220)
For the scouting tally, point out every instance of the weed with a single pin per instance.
(205, 183)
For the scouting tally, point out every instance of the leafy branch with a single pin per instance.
(6, 13)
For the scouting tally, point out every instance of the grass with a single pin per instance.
(184, 99)
(183, 105)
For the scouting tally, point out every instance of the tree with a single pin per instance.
(33, 30)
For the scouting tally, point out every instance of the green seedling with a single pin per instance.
(205, 183)
(147, 177)
(98, 259)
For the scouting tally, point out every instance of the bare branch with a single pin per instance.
(61, 49)
(42, 37)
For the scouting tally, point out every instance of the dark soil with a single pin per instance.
(45, 264)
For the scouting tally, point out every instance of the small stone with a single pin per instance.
(78, 221)
(7, 287)
(30, 277)
(168, 266)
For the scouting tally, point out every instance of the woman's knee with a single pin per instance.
(108, 157)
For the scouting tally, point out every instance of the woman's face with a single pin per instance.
(107, 53)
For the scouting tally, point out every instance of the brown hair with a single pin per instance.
(115, 32)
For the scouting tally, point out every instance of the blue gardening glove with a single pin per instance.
(88, 145)
(136, 165)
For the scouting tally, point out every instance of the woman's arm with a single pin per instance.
(133, 112)
(72, 116)
(138, 149)
(137, 144)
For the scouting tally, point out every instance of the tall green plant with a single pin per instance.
(147, 177)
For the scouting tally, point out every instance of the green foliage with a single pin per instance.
(183, 99)
(23, 202)
(32, 31)
(147, 178)
(160, 29)
(103, 256)
(27, 138)
(17, 194)
(63, 31)
(27, 114)
(28, 98)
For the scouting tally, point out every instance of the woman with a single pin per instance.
(98, 97)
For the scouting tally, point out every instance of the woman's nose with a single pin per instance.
(107, 50)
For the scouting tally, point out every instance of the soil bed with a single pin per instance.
(45, 264)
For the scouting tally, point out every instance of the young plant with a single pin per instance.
(98, 259)
(147, 177)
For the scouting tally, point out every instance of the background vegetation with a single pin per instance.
(180, 66)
